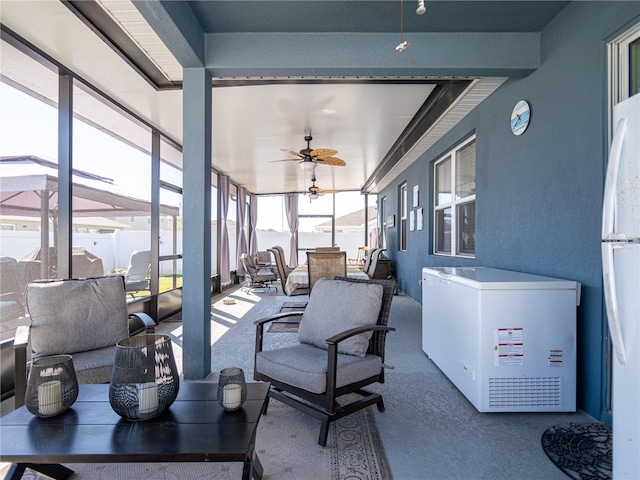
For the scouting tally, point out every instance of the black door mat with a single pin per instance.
(293, 306)
(581, 450)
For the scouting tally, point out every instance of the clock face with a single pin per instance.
(520, 117)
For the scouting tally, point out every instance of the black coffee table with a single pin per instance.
(194, 429)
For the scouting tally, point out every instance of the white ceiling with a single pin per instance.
(250, 123)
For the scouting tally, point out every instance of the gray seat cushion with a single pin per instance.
(77, 315)
(94, 366)
(335, 306)
(305, 366)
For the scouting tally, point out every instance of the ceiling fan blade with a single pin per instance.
(297, 154)
(333, 161)
(285, 160)
(322, 153)
(322, 191)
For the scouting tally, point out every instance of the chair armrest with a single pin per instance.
(20, 343)
(339, 337)
(260, 332)
(141, 322)
(277, 316)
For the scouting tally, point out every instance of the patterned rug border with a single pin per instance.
(357, 451)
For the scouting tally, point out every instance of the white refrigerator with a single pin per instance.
(621, 276)
(506, 339)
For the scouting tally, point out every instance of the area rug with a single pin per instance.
(287, 448)
(581, 450)
(293, 306)
(287, 326)
(283, 327)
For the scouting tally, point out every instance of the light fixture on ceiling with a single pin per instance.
(403, 43)
(307, 165)
(313, 196)
(421, 8)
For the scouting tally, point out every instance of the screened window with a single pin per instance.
(455, 202)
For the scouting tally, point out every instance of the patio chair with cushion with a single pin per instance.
(283, 274)
(81, 317)
(255, 277)
(11, 290)
(137, 274)
(341, 350)
(325, 265)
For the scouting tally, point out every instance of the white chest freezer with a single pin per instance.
(507, 340)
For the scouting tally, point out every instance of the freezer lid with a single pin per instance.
(484, 278)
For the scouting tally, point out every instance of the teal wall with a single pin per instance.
(538, 195)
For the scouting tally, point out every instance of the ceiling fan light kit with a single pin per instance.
(421, 10)
(307, 165)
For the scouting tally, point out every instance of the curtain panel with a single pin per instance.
(223, 191)
(253, 223)
(291, 209)
(241, 236)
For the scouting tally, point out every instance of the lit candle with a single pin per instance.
(147, 397)
(231, 396)
(50, 397)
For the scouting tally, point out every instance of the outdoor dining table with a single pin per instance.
(299, 276)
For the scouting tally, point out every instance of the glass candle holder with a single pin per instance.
(232, 388)
(144, 380)
(52, 386)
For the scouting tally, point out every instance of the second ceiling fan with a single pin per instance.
(315, 192)
(312, 157)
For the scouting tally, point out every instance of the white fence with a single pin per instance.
(115, 248)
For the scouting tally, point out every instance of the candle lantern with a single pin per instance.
(144, 379)
(52, 386)
(232, 388)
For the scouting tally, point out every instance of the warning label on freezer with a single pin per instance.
(555, 357)
(508, 347)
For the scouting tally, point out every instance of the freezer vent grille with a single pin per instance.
(525, 392)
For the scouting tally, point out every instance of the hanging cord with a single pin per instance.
(402, 45)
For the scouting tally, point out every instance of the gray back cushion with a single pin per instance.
(335, 306)
(69, 316)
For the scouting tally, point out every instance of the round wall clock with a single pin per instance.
(520, 117)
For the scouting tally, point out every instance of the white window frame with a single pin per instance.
(618, 68)
(453, 204)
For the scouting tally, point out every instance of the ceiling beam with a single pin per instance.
(177, 26)
(372, 54)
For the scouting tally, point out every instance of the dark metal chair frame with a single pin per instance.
(283, 273)
(324, 406)
(253, 278)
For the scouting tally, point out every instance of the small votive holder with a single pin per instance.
(232, 388)
(52, 386)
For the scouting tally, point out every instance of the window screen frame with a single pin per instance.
(447, 202)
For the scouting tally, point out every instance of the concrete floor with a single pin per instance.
(430, 431)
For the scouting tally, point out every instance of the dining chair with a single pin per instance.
(327, 249)
(283, 273)
(283, 259)
(325, 265)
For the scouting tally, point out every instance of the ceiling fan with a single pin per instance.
(312, 157)
(315, 192)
